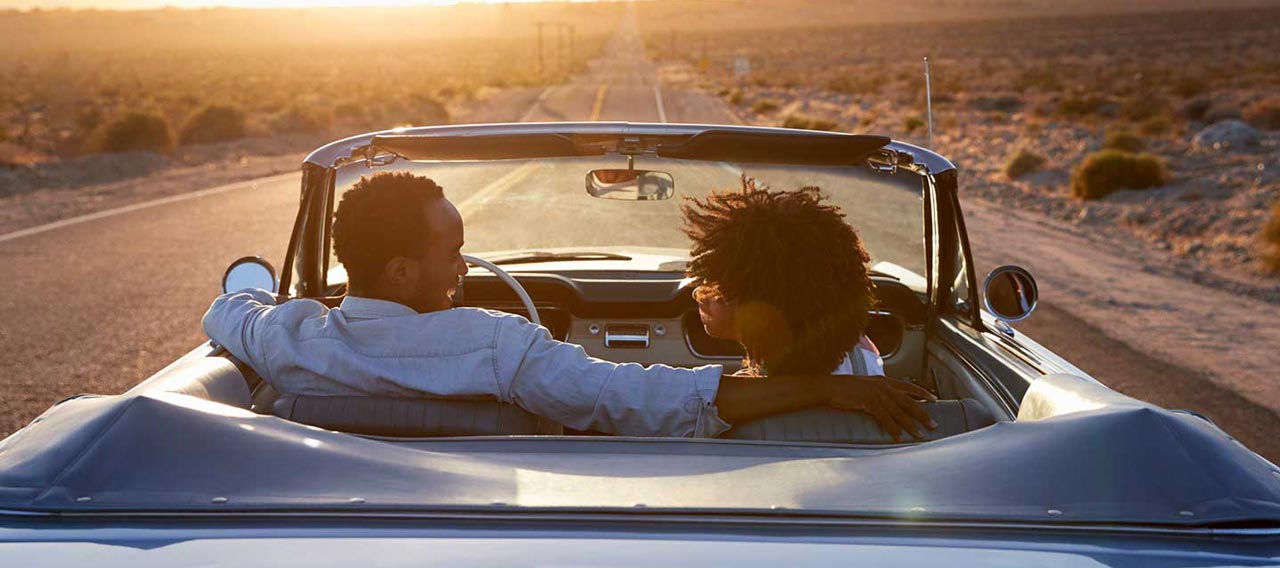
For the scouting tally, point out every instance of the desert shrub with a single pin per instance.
(88, 118)
(1219, 112)
(1080, 105)
(854, 84)
(1271, 239)
(1101, 173)
(808, 123)
(1022, 162)
(1123, 140)
(1158, 125)
(1141, 107)
(214, 123)
(1196, 108)
(136, 131)
(1264, 114)
(764, 106)
(733, 96)
(1039, 78)
(302, 119)
(912, 123)
(1189, 86)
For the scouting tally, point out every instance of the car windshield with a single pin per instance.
(536, 205)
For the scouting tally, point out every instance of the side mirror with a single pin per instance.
(1010, 293)
(630, 185)
(250, 272)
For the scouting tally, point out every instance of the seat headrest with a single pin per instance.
(413, 417)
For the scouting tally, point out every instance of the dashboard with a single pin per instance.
(650, 317)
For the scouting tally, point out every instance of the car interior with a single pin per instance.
(636, 316)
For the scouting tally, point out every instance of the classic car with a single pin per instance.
(1033, 463)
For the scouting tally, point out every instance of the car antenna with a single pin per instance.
(928, 101)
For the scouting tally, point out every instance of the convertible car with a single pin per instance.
(1033, 462)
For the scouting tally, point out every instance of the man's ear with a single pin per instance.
(399, 270)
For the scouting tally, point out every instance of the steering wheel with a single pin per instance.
(512, 282)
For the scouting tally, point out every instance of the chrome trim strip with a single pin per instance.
(352, 147)
(713, 517)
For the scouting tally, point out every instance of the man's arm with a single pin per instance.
(232, 321)
(892, 403)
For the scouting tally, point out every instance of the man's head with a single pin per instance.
(782, 273)
(400, 240)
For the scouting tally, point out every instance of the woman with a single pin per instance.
(784, 275)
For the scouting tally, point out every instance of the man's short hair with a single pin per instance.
(380, 218)
(796, 269)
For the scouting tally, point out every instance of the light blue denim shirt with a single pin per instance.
(380, 348)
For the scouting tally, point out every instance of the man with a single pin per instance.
(395, 334)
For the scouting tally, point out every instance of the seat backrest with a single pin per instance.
(823, 424)
(413, 417)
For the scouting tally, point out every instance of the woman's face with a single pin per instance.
(716, 312)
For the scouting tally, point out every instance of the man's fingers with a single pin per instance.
(913, 390)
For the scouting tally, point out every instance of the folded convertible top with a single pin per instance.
(1078, 454)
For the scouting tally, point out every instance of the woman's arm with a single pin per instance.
(894, 404)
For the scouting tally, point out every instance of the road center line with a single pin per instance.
(657, 97)
(252, 184)
(599, 106)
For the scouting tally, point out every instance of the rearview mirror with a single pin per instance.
(631, 185)
(1010, 293)
(249, 272)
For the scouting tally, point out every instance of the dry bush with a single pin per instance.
(764, 106)
(1189, 86)
(1080, 105)
(1264, 114)
(302, 119)
(1271, 240)
(136, 131)
(1104, 172)
(809, 123)
(1022, 162)
(214, 123)
(1123, 140)
(912, 123)
(78, 63)
(855, 84)
(1196, 108)
(1158, 125)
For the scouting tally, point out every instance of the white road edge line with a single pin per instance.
(537, 104)
(657, 97)
(506, 183)
(144, 205)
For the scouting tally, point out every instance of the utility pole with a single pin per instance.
(573, 58)
(560, 52)
(541, 68)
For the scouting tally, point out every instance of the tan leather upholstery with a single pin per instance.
(405, 417)
(822, 424)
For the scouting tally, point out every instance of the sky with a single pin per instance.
(146, 4)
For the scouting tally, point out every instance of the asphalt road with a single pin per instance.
(97, 306)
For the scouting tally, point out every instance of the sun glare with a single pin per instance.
(149, 4)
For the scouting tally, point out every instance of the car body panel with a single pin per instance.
(595, 543)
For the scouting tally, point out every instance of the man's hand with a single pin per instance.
(894, 404)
